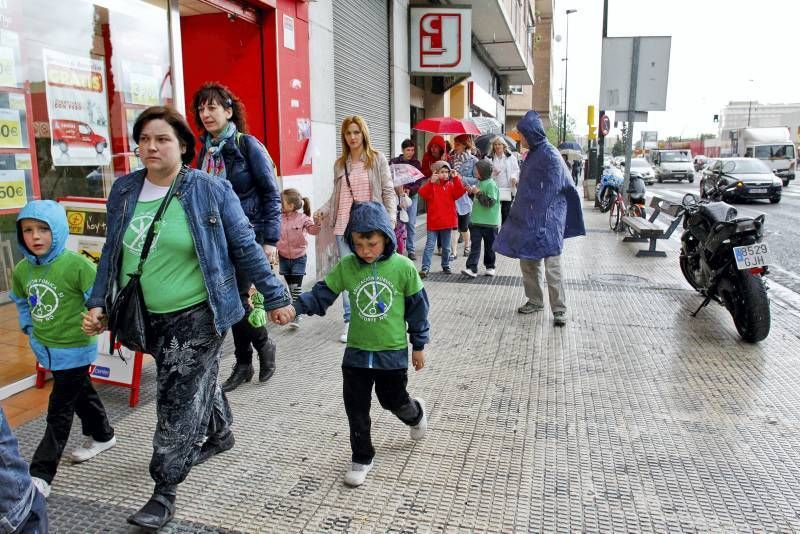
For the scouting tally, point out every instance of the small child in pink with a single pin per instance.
(296, 224)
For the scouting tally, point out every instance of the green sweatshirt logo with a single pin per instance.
(44, 298)
(374, 298)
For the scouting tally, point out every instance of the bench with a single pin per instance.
(644, 230)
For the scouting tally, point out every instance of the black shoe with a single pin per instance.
(447, 270)
(240, 375)
(214, 446)
(266, 361)
(412, 256)
(150, 521)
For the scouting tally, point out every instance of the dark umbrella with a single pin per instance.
(570, 145)
(483, 142)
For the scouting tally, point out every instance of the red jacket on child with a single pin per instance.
(441, 198)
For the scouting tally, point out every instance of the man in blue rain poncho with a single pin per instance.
(546, 210)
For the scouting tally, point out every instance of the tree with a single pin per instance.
(554, 130)
(705, 136)
(618, 149)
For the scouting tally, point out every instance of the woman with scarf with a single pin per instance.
(505, 171)
(230, 154)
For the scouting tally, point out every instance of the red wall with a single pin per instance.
(216, 49)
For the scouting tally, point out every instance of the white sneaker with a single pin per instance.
(418, 431)
(42, 486)
(91, 448)
(357, 474)
(343, 337)
(469, 272)
(489, 272)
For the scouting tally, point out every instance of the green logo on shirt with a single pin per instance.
(137, 233)
(44, 297)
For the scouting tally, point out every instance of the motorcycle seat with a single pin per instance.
(718, 211)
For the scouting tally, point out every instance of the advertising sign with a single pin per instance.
(13, 190)
(651, 73)
(77, 107)
(87, 234)
(440, 40)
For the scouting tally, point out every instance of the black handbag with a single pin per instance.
(128, 319)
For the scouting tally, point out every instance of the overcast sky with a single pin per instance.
(717, 46)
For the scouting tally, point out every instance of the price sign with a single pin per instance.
(10, 129)
(144, 89)
(13, 192)
(8, 68)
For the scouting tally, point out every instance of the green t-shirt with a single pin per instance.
(377, 300)
(171, 276)
(482, 215)
(56, 293)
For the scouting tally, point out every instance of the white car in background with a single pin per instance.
(641, 167)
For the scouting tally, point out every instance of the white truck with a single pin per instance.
(773, 146)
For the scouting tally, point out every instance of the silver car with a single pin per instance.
(641, 167)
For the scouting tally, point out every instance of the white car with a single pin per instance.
(641, 167)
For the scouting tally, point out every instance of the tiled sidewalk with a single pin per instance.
(633, 418)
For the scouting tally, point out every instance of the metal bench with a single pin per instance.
(644, 230)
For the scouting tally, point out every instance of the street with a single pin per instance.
(782, 225)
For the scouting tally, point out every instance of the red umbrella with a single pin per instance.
(447, 125)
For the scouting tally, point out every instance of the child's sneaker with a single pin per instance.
(418, 431)
(357, 474)
(453, 257)
(447, 270)
(469, 272)
(295, 324)
(42, 486)
(424, 273)
(489, 272)
(91, 448)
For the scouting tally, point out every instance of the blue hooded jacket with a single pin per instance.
(547, 207)
(55, 359)
(365, 217)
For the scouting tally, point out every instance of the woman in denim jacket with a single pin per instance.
(190, 291)
(229, 153)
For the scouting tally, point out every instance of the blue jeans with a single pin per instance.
(344, 250)
(444, 239)
(411, 224)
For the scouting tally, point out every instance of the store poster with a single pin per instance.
(78, 109)
(87, 234)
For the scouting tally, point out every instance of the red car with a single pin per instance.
(69, 132)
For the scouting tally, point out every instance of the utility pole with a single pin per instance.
(601, 143)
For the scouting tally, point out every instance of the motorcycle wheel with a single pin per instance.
(745, 297)
(687, 272)
(615, 218)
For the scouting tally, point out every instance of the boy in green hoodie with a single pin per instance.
(485, 220)
(389, 307)
(50, 286)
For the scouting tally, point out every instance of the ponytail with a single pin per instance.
(307, 206)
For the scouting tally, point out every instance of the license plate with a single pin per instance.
(758, 190)
(750, 256)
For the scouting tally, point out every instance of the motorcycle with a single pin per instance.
(724, 259)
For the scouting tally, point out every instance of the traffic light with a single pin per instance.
(593, 133)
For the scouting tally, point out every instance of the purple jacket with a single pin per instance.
(547, 207)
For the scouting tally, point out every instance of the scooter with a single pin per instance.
(724, 259)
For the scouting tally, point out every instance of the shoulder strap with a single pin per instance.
(161, 209)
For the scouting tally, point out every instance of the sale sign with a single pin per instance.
(13, 192)
(10, 129)
(77, 106)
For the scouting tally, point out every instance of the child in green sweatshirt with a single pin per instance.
(50, 286)
(485, 220)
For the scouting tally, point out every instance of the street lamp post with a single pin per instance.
(566, 72)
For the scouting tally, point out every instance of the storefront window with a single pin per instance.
(74, 75)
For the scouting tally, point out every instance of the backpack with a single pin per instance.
(243, 149)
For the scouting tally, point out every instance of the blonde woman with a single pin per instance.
(360, 174)
(505, 171)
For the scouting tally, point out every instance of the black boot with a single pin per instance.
(266, 361)
(240, 375)
(156, 513)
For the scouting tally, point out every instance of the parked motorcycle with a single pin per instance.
(725, 260)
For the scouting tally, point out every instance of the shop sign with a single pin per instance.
(10, 129)
(77, 107)
(440, 43)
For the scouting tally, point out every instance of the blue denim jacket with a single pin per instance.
(223, 238)
(16, 489)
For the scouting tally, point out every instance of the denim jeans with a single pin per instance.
(344, 250)
(444, 238)
(412, 224)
